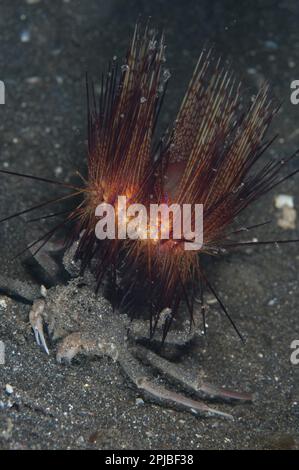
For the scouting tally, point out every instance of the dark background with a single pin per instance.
(43, 132)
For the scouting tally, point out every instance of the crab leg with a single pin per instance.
(161, 395)
(168, 397)
(187, 380)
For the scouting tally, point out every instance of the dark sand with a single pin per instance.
(43, 129)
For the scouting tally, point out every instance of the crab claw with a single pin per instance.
(36, 322)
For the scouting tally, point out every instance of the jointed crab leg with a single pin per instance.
(168, 397)
(187, 379)
(162, 395)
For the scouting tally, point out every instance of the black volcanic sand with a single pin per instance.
(45, 50)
